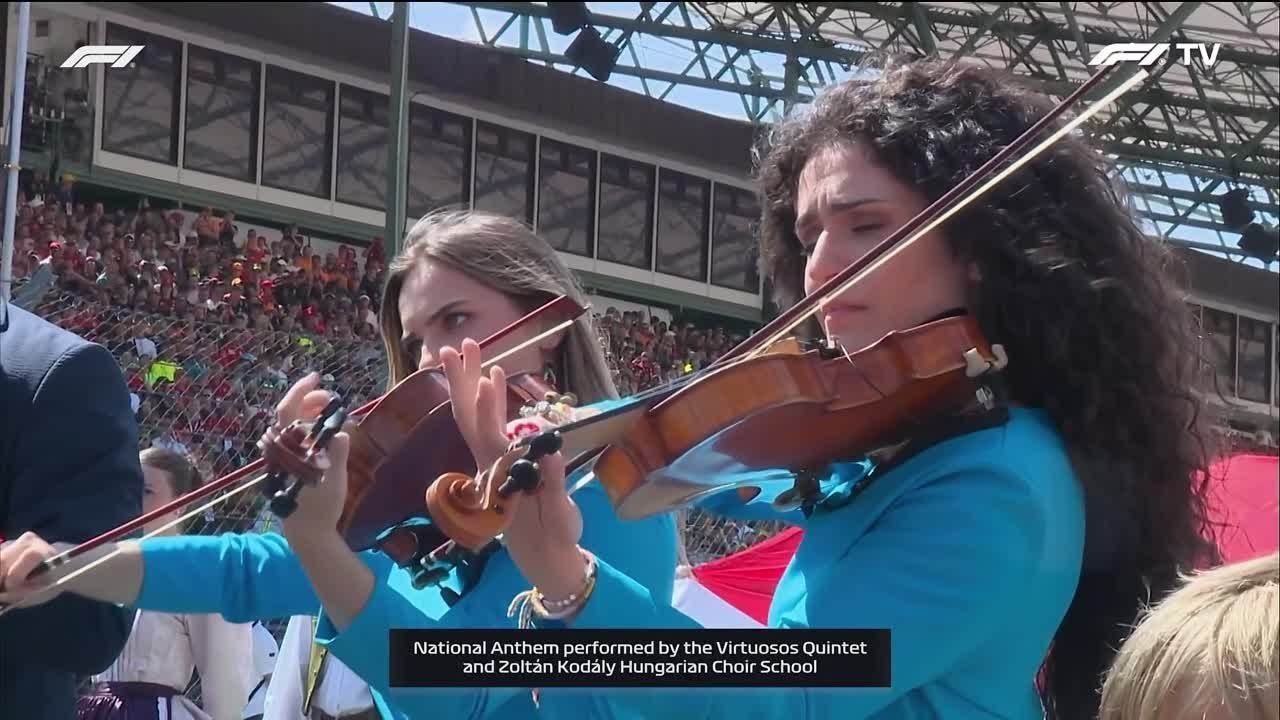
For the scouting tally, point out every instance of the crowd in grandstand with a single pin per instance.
(211, 322)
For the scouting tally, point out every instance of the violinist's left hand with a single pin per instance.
(319, 506)
(546, 526)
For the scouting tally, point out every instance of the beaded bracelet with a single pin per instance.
(532, 602)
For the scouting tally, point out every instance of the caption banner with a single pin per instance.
(640, 658)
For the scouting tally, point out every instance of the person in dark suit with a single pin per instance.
(69, 471)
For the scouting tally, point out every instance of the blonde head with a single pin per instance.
(506, 255)
(1210, 650)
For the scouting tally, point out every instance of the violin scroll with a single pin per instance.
(294, 452)
(474, 511)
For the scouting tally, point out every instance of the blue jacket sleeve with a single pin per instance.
(645, 550)
(243, 577)
(940, 592)
(74, 474)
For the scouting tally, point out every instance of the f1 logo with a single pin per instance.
(117, 56)
(1147, 53)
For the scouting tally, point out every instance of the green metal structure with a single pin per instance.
(1182, 139)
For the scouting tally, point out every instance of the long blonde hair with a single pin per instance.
(1213, 646)
(506, 255)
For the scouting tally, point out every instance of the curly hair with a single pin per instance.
(1070, 285)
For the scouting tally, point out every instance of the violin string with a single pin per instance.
(68, 554)
(57, 559)
(65, 579)
(986, 187)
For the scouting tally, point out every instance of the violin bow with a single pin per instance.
(931, 217)
(942, 209)
(257, 465)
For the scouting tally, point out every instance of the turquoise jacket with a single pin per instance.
(969, 552)
(257, 577)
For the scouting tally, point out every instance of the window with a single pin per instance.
(363, 135)
(439, 160)
(626, 212)
(1220, 348)
(1254, 350)
(140, 102)
(733, 239)
(504, 171)
(566, 196)
(297, 133)
(682, 225)
(222, 114)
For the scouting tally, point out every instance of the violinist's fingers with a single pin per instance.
(337, 450)
(461, 394)
(313, 404)
(551, 468)
(472, 362)
(18, 565)
(567, 522)
(490, 440)
(497, 410)
(290, 406)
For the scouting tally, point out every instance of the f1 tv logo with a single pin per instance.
(117, 56)
(1147, 53)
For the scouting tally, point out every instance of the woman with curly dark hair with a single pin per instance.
(1016, 546)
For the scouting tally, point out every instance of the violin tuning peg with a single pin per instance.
(282, 506)
(284, 503)
(547, 443)
(523, 476)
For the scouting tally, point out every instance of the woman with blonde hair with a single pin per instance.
(1210, 650)
(461, 274)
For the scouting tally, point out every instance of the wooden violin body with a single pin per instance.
(396, 450)
(787, 410)
(405, 439)
(792, 410)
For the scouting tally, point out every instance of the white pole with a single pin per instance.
(15, 154)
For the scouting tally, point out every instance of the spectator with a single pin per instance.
(264, 311)
(157, 661)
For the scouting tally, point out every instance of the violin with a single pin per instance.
(408, 432)
(394, 442)
(769, 403)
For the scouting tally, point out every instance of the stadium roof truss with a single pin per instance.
(1186, 135)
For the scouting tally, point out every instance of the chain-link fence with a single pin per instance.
(209, 390)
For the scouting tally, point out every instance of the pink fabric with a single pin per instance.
(1245, 499)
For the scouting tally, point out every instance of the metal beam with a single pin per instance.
(398, 125)
(941, 16)
(846, 56)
